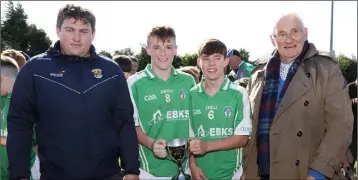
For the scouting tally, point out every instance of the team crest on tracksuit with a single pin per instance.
(97, 73)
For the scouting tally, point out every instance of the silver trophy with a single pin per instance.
(178, 151)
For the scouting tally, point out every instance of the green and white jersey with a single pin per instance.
(161, 109)
(218, 117)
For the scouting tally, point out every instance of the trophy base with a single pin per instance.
(182, 177)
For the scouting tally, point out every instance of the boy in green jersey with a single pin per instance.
(161, 105)
(9, 69)
(219, 116)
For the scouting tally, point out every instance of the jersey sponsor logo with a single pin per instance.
(97, 73)
(166, 91)
(173, 115)
(213, 132)
(182, 93)
(150, 97)
(211, 107)
(227, 111)
(157, 117)
(60, 74)
(4, 133)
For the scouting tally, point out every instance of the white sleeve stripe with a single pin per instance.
(131, 81)
(245, 126)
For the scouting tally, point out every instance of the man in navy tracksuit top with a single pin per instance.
(81, 106)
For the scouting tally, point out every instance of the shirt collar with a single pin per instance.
(150, 73)
(224, 85)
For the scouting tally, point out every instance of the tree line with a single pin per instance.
(17, 33)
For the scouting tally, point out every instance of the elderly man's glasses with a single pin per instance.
(294, 33)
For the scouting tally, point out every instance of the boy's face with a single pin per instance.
(7, 80)
(162, 53)
(134, 67)
(213, 65)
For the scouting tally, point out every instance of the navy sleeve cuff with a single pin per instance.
(316, 175)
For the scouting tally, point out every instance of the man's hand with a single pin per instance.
(354, 101)
(198, 147)
(159, 148)
(310, 178)
(131, 177)
(197, 173)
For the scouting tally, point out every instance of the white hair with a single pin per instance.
(293, 16)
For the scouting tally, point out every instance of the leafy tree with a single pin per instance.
(17, 34)
(348, 67)
(190, 59)
(105, 53)
(177, 62)
(125, 51)
(143, 59)
(38, 41)
(245, 55)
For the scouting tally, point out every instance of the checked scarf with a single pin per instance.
(269, 105)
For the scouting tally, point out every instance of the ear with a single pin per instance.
(226, 61)
(58, 32)
(198, 62)
(305, 33)
(273, 41)
(175, 50)
(93, 34)
(148, 51)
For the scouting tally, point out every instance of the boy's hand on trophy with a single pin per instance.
(198, 147)
(159, 148)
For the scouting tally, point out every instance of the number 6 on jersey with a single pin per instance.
(211, 114)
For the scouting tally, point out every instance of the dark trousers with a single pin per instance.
(116, 176)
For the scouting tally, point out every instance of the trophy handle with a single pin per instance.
(169, 156)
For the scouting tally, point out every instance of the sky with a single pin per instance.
(239, 24)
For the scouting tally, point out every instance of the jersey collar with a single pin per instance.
(224, 85)
(150, 73)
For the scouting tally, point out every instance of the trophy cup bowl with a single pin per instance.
(178, 150)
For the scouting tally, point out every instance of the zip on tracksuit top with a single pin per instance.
(83, 115)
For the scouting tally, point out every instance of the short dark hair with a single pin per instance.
(78, 13)
(212, 46)
(133, 59)
(124, 62)
(163, 33)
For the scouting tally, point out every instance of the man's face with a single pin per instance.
(134, 67)
(289, 37)
(234, 62)
(212, 66)
(162, 53)
(75, 37)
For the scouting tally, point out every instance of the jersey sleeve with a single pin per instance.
(133, 95)
(191, 131)
(243, 122)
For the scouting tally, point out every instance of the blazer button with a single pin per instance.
(297, 162)
(299, 133)
(306, 103)
(308, 74)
